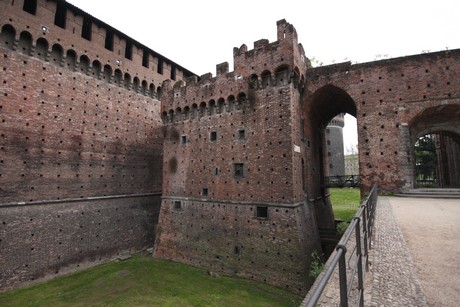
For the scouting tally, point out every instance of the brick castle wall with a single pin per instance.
(232, 199)
(397, 101)
(81, 142)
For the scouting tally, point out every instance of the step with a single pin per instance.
(435, 190)
(430, 195)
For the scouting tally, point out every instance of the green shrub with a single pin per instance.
(316, 265)
(342, 227)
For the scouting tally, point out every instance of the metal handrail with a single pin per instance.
(361, 226)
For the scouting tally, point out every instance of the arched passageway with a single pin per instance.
(435, 147)
(318, 109)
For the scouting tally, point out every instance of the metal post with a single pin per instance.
(359, 263)
(343, 277)
(365, 210)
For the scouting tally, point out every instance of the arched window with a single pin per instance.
(171, 115)
(56, 55)
(136, 84)
(212, 107)
(25, 42)
(107, 73)
(71, 59)
(282, 75)
(96, 69)
(7, 36)
(164, 117)
(178, 114)
(266, 79)
(84, 64)
(194, 111)
(230, 103)
(159, 92)
(41, 48)
(202, 109)
(241, 101)
(152, 90)
(186, 113)
(144, 87)
(220, 105)
(118, 77)
(127, 81)
(253, 81)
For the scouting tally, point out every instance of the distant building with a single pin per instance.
(334, 145)
(351, 164)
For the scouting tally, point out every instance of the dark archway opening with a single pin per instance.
(435, 147)
(323, 107)
(437, 160)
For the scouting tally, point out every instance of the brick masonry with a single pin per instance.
(239, 158)
(256, 137)
(45, 239)
(80, 144)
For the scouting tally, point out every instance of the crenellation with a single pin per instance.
(67, 36)
(222, 69)
(226, 173)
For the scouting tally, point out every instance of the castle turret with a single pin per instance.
(232, 198)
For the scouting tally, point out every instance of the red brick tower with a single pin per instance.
(233, 198)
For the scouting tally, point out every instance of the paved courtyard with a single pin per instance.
(414, 257)
(431, 230)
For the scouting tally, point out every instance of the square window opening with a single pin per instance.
(177, 205)
(262, 212)
(241, 134)
(213, 136)
(205, 192)
(183, 139)
(238, 170)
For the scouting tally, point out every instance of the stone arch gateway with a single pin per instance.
(280, 162)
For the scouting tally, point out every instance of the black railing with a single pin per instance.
(351, 181)
(350, 252)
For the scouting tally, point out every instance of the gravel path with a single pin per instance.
(415, 255)
(431, 229)
(394, 282)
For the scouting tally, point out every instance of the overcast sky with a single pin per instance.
(199, 34)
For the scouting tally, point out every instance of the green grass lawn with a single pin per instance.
(345, 202)
(144, 281)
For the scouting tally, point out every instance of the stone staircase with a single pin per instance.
(431, 193)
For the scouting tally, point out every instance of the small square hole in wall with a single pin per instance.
(262, 212)
(213, 136)
(238, 170)
(205, 192)
(216, 171)
(183, 139)
(241, 134)
(177, 205)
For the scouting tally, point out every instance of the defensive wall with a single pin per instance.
(232, 198)
(397, 101)
(245, 152)
(225, 173)
(80, 144)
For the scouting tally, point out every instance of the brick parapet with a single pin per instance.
(42, 25)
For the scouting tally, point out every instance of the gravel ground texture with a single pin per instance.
(431, 229)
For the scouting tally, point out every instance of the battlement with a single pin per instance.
(266, 66)
(225, 93)
(268, 57)
(52, 27)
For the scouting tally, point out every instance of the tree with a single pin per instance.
(425, 157)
